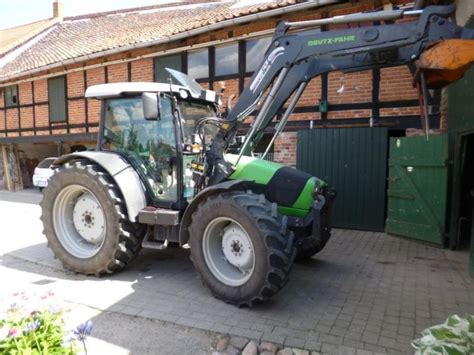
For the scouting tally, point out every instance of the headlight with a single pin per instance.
(183, 94)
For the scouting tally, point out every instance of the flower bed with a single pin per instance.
(35, 325)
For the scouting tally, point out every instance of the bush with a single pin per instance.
(454, 337)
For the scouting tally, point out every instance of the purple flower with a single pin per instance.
(32, 326)
(83, 330)
(14, 306)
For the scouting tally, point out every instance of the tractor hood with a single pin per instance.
(290, 188)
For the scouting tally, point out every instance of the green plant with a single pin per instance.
(454, 337)
(40, 332)
(36, 327)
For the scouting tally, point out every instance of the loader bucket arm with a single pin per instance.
(295, 58)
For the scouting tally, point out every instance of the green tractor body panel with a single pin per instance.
(253, 169)
(262, 171)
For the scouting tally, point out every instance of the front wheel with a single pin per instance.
(241, 247)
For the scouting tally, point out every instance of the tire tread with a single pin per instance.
(129, 239)
(278, 241)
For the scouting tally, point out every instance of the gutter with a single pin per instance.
(176, 37)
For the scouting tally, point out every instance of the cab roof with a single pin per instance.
(105, 91)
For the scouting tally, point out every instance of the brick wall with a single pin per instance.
(41, 91)
(231, 88)
(142, 70)
(12, 118)
(95, 76)
(26, 114)
(343, 88)
(42, 117)
(25, 93)
(349, 87)
(75, 84)
(396, 84)
(117, 73)
(285, 148)
(312, 93)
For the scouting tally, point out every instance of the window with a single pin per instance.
(149, 145)
(192, 113)
(198, 64)
(255, 50)
(227, 59)
(11, 96)
(170, 61)
(57, 99)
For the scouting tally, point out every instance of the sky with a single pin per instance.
(19, 12)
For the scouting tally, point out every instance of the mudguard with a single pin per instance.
(218, 188)
(122, 172)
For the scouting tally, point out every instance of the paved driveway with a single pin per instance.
(365, 290)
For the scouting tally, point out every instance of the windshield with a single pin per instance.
(191, 114)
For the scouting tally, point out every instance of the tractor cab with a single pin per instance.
(152, 126)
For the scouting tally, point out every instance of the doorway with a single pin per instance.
(466, 193)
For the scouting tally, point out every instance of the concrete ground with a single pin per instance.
(365, 292)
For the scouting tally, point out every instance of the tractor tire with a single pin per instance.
(85, 223)
(241, 247)
(307, 249)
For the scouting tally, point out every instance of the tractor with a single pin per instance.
(162, 173)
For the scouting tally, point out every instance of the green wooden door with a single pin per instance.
(354, 162)
(417, 188)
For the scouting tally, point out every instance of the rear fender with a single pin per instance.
(230, 185)
(122, 172)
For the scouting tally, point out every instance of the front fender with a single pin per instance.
(122, 172)
(204, 194)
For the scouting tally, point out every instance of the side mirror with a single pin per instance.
(151, 106)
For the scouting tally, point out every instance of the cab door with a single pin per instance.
(150, 146)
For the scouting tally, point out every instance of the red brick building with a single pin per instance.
(45, 68)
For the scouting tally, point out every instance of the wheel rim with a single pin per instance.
(79, 221)
(228, 251)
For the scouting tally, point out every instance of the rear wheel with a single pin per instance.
(241, 247)
(85, 221)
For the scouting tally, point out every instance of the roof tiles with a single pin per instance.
(86, 35)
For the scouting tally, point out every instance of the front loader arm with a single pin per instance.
(295, 58)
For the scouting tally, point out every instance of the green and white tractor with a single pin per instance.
(162, 173)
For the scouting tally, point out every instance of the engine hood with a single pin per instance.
(290, 188)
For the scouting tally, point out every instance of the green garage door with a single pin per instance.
(417, 187)
(354, 162)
